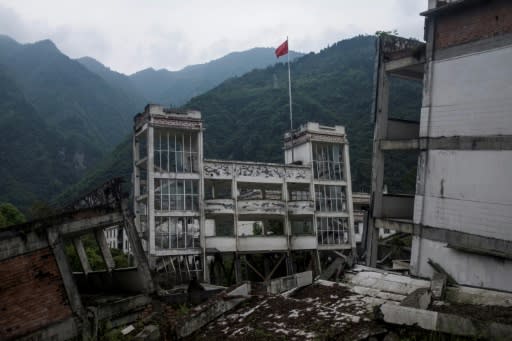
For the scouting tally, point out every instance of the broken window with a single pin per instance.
(175, 152)
(302, 226)
(332, 230)
(259, 191)
(224, 226)
(299, 192)
(217, 189)
(143, 182)
(330, 198)
(176, 232)
(142, 145)
(328, 161)
(267, 227)
(176, 195)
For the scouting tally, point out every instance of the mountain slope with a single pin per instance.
(246, 117)
(177, 87)
(33, 162)
(68, 96)
(115, 79)
(57, 120)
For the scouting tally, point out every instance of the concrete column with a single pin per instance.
(381, 106)
(57, 245)
(151, 191)
(82, 255)
(350, 206)
(104, 248)
(138, 251)
(238, 269)
(206, 269)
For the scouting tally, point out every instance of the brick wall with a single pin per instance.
(32, 294)
(474, 23)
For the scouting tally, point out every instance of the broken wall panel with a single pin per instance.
(32, 294)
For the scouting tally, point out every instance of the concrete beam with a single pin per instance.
(89, 224)
(404, 63)
(82, 255)
(502, 142)
(399, 225)
(136, 249)
(405, 144)
(445, 323)
(462, 241)
(105, 249)
(469, 242)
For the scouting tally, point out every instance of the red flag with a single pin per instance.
(282, 49)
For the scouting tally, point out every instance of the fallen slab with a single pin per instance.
(210, 310)
(282, 284)
(445, 323)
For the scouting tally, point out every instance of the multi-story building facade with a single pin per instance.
(461, 214)
(189, 209)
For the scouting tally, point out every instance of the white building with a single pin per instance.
(189, 209)
(461, 215)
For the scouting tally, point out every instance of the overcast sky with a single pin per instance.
(130, 35)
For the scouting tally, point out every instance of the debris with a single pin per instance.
(440, 269)
(419, 298)
(127, 330)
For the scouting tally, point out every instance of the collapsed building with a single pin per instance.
(193, 212)
(41, 298)
(460, 216)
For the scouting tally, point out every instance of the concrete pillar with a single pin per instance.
(137, 250)
(105, 250)
(238, 270)
(82, 255)
(381, 106)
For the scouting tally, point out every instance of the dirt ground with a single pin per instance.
(315, 312)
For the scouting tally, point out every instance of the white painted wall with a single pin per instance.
(466, 268)
(468, 191)
(472, 95)
(300, 153)
(223, 244)
(303, 242)
(267, 243)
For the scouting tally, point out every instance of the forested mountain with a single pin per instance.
(66, 95)
(59, 117)
(246, 117)
(177, 87)
(36, 161)
(57, 120)
(115, 79)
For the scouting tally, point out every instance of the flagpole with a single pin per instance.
(290, 94)
(289, 85)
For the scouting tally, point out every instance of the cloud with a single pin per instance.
(129, 35)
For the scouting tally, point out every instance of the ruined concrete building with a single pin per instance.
(41, 298)
(191, 211)
(461, 214)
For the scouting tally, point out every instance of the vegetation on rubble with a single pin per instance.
(10, 215)
(94, 255)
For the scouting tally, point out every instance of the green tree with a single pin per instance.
(10, 215)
